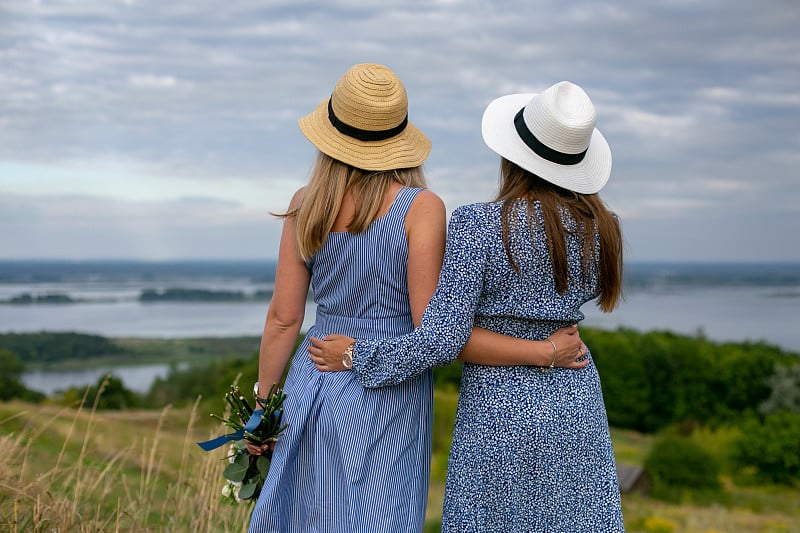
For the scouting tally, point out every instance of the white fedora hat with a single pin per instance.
(552, 135)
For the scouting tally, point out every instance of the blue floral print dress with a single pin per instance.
(531, 449)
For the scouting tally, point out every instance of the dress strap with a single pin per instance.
(403, 200)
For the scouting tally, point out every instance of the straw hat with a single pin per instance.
(552, 135)
(365, 122)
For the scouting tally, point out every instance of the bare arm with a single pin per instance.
(425, 230)
(486, 347)
(286, 309)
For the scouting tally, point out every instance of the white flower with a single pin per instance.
(227, 490)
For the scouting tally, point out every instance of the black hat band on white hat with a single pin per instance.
(541, 149)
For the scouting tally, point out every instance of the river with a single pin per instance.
(726, 302)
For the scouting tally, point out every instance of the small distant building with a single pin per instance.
(632, 478)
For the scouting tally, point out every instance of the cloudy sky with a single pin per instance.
(161, 130)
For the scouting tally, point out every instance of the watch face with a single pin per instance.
(347, 360)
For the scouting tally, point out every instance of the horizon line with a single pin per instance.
(274, 259)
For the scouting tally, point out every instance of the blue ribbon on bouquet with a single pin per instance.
(252, 424)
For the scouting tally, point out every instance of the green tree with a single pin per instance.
(784, 386)
(47, 347)
(624, 376)
(11, 368)
(657, 379)
(211, 382)
(108, 393)
(10, 364)
(743, 370)
(771, 446)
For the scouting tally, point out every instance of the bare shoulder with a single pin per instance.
(427, 202)
(297, 198)
(426, 216)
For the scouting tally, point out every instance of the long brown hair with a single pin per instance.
(322, 199)
(591, 216)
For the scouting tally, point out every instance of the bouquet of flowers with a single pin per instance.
(260, 424)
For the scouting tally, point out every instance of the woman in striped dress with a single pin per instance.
(531, 449)
(369, 239)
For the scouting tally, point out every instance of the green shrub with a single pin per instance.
(11, 387)
(210, 381)
(771, 446)
(108, 393)
(676, 464)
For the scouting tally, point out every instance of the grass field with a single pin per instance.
(67, 469)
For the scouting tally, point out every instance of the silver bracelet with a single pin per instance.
(555, 356)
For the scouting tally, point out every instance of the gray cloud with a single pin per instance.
(698, 100)
(102, 227)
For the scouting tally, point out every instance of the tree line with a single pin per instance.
(51, 347)
(652, 382)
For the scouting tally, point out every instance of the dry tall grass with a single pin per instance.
(84, 470)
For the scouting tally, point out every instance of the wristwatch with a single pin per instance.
(347, 356)
(259, 400)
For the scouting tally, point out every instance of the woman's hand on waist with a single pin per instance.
(568, 348)
(329, 354)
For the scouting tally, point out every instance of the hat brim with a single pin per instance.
(408, 149)
(500, 135)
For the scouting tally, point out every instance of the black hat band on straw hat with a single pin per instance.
(364, 135)
(541, 149)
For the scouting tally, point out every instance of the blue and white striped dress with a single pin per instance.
(353, 459)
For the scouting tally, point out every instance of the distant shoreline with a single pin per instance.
(189, 299)
(172, 274)
(145, 296)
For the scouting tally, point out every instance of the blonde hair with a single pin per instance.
(588, 211)
(322, 199)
